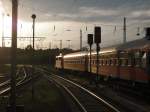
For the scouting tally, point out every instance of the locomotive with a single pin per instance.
(129, 61)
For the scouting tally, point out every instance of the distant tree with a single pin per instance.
(84, 48)
(29, 47)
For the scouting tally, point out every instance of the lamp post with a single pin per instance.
(33, 17)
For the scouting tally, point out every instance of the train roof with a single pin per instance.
(76, 54)
(140, 44)
(83, 53)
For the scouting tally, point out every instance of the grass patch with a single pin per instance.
(47, 98)
(4, 69)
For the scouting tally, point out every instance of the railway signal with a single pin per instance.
(148, 33)
(97, 36)
(97, 40)
(90, 42)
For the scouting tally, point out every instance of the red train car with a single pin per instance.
(130, 61)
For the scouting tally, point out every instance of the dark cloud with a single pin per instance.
(83, 10)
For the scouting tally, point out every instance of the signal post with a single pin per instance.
(90, 42)
(97, 40)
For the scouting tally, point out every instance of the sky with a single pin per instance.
(63, 19)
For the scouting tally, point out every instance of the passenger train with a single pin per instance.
(129, 61)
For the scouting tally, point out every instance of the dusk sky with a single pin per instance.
(69, 16)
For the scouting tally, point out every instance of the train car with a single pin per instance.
(130, 61)
(59, 62)
(76, 61)
(106, 57)
(137, 63)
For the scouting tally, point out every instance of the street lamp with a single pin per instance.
(33, 17)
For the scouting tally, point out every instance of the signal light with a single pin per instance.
(90, 39)
(148, 31)
(97, 35)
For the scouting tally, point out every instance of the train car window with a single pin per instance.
(126, 61)
(123, 61)
(129, 62)
(91, 61)
(110, 62)
(113, 62)
(104, 62)
(100, 62)
(137, 62)
(95, 62)
(117, 62)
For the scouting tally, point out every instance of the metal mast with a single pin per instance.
(124, 31)
(80, 39)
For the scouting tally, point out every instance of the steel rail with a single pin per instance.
(91, 93)
(8, 81)
(86, 90)
(81, 107)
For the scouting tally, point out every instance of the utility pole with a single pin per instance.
(3, 29)
(80, 39)
(124, 30)
(60, 44)
(13, 55)
(50, 45)
(68, 43)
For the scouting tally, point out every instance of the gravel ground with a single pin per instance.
(127, 103)
(47, 98)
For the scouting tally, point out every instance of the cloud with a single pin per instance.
(83, 10)
(93, 11)
(141, 13)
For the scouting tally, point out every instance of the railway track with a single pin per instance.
(5, 86)
(86, 100)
